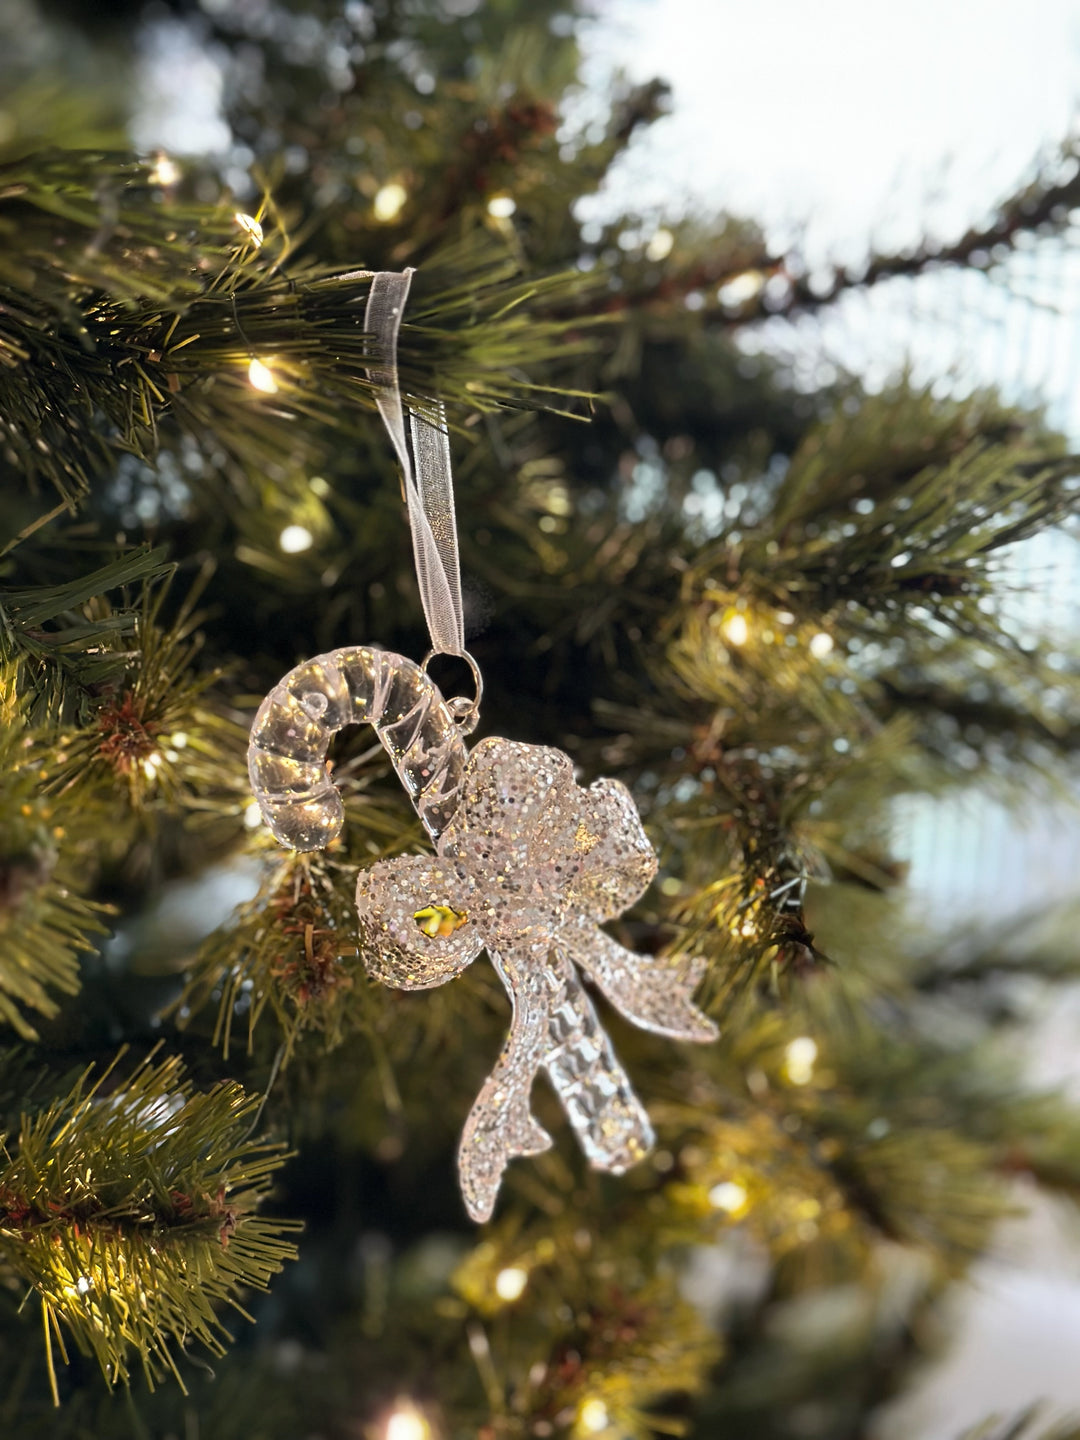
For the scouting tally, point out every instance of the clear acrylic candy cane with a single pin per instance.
(527, 864)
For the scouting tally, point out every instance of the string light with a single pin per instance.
(152, 764)
(250, 226)
(294, 539)
(253, 816)
(407, 1423)
(165, 171)
(734, 628)
(593, 1417)
(660, 246)
(741, 288)
(262, 377)
(510, 1283)
(799, 1060)
(821, 645)
(501, 207)
(389, 201)
(729, 1196)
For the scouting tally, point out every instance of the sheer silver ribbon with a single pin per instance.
(424, 453)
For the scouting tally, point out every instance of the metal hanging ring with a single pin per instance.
(466, 712)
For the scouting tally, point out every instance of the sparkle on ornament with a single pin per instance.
(660, 246)
(406, 1423)
(735, 629)
(389, 201)
(821, 645)
(165, 171)
(501, 207)
(799, 1060)
(294, 539)
(594, 1416)
(729, 1195)
(521, 818)
(250, 226)
(510, 1283)
(262, 377)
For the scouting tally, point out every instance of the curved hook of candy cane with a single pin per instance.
(355, 685)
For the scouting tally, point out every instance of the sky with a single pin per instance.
(858, 116)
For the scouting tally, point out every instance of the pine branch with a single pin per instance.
(115, 318)
(45, 922)
(66, 645)
(132, 1214)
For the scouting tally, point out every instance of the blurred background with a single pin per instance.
(843, 128)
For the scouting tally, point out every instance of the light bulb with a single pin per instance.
(165, 171)
(295, 538)
(510, 1283)
(262, 377)
(389, 201)
(250, 226)
(594, 1417)
(730, 1196)
(406, 1423)
(501, 207)
(735, 629)
(799, 1060)
(660, 246)
(821, 645)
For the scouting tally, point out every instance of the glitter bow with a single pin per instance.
(528, 867)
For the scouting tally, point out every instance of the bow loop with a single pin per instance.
(416, 929)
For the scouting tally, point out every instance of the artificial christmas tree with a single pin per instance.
(766, 612)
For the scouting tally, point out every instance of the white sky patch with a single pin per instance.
(862, 119)
(179, 89)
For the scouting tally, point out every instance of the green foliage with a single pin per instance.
(769, 612)
(132, 1215)
(44, 922)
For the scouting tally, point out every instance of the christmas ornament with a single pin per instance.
(527, 864)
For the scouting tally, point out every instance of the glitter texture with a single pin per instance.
(534, 862)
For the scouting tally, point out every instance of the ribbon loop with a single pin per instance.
(425, 464)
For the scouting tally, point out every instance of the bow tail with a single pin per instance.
(655, 994)
(608, 1118)
(500, 1126)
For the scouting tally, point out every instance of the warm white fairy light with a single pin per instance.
(799, 1058)
(741, 288)
(389, 201)
(821, 645)
(165, 171)
(294, 539)
(178, 740)
(735, 629)
(593, 1417)
(152, 764)
(262, 377)
(253, 816)
(407, 1423)
(510, 1283)
(501, 207)
(660, 246)
(250, 226)
(728, 1196)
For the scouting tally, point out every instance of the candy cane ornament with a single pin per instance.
(527, 863)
